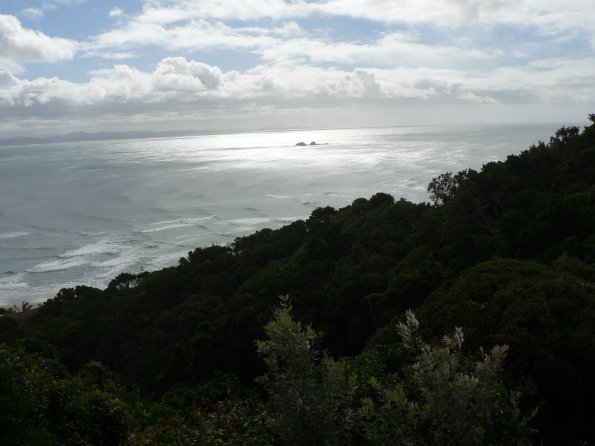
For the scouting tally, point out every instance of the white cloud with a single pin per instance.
(195, 25)
(32, 13)
(549, 15)
(359, 83)
(20, 45)
(7, 80)
(47, 5)
(182, 75)
(391, 50)
(171, 11)
(428, 51)
(289, 43)
(116, 12)
(195, 35)
(115, 55)
(177, 80)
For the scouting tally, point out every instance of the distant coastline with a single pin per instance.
(85, 136)
(147, 134)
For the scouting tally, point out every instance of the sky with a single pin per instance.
(99, 65)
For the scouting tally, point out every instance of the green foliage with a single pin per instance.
(546, 314)
(436, 397)
(443, 398)
(444, 187)
(350, 272)
(311, 395)
(40, 404)
(230, 422)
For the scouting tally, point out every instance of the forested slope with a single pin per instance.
(507, 253)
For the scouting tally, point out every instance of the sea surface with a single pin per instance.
(83, 212)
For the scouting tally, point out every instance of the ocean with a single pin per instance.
(83, 212)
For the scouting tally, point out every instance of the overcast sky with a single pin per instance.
(69, 65)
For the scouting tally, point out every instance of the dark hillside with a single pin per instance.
(507, 253)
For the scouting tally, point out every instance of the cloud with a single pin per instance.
(171, 11)
(359, 83)
(116, 55)
(174, 79)
(47, 5)
(195, 35)
(20, 45)
(291, 55)
(466, 31)
(177, 80)
(288, 42)
(116, 12)
(390, 50)
(182, 75)
(32, 13)
(550, 15)
(7, 80)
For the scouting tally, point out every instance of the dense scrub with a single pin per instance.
(434, 395)
(507, 253)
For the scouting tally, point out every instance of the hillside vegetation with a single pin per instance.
(169, 357)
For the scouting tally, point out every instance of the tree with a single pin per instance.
(443, 397)
(444, 186)
(311, 395)
(436, 397)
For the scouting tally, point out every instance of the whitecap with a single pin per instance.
(175, 224)
(283, 197)
(181, 224)
(57, 265)
(164, 222)
(249, 221)
(13, 282)
(13, 235)
(193, 221)
(93, 249)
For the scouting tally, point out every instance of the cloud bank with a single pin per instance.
(212, 55)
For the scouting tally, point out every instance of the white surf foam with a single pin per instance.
(7, 235)
(283, 197)
(92, 249)
(175, 224)
(57, 265)
(253, 221)
(13, 282)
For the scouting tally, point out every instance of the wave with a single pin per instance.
(175, 224)
(93, 249)
(13, 282)
(122, 261)
(284, 197)
(7, 235)
(166, 227)
(251, 221)
(57, 265)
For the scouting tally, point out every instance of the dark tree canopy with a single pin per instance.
(506, 252)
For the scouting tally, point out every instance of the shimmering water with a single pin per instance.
(81, 213)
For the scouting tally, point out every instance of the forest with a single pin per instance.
(465, 320)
